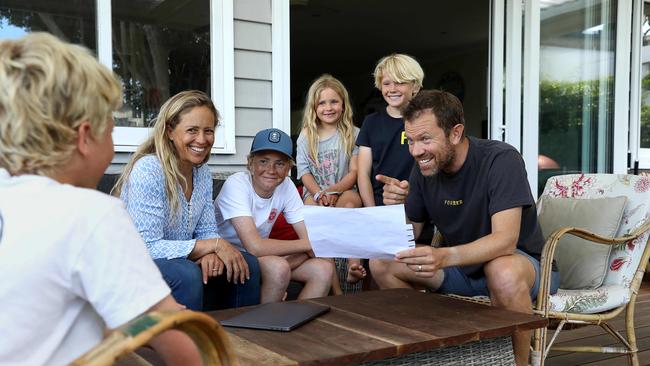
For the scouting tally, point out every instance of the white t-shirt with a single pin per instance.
(238, 198)
(71, 264)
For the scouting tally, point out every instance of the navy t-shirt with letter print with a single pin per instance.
(460, 205)
(384, 135)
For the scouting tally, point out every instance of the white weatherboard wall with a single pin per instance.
(253, 84)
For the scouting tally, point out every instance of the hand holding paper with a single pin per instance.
(370, 232)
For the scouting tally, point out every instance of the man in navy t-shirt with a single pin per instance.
(476, 194)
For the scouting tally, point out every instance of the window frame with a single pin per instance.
(222, 69)
(638, 153)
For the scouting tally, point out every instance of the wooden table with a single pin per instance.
(376, 325)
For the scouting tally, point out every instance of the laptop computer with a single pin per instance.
(282, 316)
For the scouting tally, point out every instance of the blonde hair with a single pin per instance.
(48, 87)
(400, 68)
(159, 143)
(310, 121)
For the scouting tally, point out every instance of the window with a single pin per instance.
(577, 76)
(157, 48)
(644, 135)
(72, 21)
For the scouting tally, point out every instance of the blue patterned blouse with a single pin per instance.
(146, 200)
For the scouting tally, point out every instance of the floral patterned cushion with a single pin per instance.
(589, 301)
(624, 258)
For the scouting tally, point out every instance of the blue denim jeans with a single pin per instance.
(184, 278)
(221, 294)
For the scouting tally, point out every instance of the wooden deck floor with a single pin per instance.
(596, 336)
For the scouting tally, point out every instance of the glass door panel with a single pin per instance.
(577, 67)
(645, 78)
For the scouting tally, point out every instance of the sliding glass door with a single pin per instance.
(569, 111)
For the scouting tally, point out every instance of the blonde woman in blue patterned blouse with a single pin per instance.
(167, 189)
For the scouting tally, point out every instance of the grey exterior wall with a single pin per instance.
(253, 84)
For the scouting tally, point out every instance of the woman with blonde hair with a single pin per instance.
(167, 189)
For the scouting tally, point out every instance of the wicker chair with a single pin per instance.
(211, 340)
(627, 262)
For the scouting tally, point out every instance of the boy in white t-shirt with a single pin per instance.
(247, 207)
(71, 261)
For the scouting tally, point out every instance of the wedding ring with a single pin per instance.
(214, 270)
(419, 268)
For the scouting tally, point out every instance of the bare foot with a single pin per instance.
(356, 272)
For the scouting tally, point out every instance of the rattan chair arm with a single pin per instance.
(211, 340)
(548, 252)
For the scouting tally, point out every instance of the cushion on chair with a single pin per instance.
(582, 264)
(606, 297)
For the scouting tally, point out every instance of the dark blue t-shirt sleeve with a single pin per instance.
(507, 183)
(363, 139)
(415, 209)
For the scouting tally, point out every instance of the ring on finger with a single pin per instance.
(419, 268)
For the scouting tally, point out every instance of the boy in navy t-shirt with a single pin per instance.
(382, 143)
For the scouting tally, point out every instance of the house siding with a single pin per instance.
(253, 85)
(253, 80)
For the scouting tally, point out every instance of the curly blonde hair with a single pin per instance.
(160, 145)
(310, 121)
(48, 88)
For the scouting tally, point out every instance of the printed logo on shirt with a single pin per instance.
(453, 202)
(403, 139)
(273, 214)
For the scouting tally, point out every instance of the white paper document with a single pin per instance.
(369, 232)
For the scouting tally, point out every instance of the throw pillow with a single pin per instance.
(582, 263)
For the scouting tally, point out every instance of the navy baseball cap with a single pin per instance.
(273, 139)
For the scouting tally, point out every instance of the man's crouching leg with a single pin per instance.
(387, 274)
(510, 279)
(392, 274)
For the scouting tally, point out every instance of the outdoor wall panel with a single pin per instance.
(253, 79)
(224, 171)
(253, 65)
(253, 93)
(252, 36)
(118, 163)
(250, 121)
(253, 10)
(243, 146)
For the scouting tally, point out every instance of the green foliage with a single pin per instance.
(563, 105)
(566, 111)
(645, 111)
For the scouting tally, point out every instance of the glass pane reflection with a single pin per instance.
(72, 21)
(159, 49)
(645, 75)
(577, 64)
